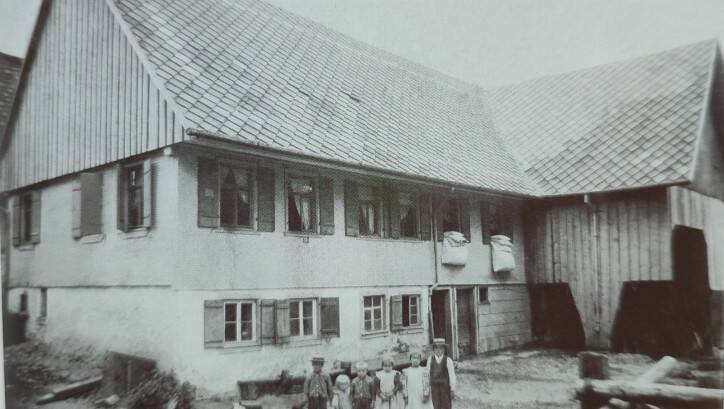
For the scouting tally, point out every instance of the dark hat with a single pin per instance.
(317, 360)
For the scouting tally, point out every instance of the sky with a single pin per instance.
(486, 42)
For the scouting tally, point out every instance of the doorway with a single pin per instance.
(441, 316)
(465, 302)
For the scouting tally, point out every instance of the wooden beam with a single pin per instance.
(655, 394)
(654, 374)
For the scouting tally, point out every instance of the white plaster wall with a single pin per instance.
(118, 258)
(133, 320)
(217, 370)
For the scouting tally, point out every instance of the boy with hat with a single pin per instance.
(442, 376)
(318, 386)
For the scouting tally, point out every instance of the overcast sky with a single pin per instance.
(488, 42)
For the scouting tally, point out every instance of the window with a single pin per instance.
(239, 321)
(373, 311)
(235, 201)
(302, 205)
(451, 215)
(369, 214)
(133, 176)
(410, 310)
(43, 303)
(23, 302)
(408, 215)
(483, 295)
(26, 218)
(302, 318)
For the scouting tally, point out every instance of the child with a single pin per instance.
(318, 386)
(362, 391)
(342, 398)
(416, 383)
(442, 376)
(388, 386)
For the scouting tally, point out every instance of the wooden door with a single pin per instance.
(465, 321)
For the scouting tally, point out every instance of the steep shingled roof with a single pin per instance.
(255, 73)
(622, 125)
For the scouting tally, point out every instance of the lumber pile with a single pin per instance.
(595, 390)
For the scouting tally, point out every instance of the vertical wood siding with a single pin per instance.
(87, 101)
(596, 248)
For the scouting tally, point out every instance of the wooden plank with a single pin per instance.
(604, 272)
(656, 394)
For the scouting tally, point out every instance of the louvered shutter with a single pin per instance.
(351, 209)
(465, 217)
(425, 216)
(122, 208)
(35, 218)
(265, 199)
(16, 220)
(147, 193)
(91, 203)
(282, 321)
(396, 312)
(329, 317)
(326, 206)
(76, 222)
(213, 323)
(393, 198)
(208, 193)
(268, 326)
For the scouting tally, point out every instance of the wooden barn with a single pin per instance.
(632, 158)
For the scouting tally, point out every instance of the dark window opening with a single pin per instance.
(302, 205)
(410, 310)
(43, 302)
(408, 215)
(235, 198)
(483, 295)
(368, 200)
(451, 216)
(23, 302)
(26, 209)
(134, 195)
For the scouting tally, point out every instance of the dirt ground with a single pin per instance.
(532, 378)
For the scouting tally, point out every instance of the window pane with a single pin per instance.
(307, 309)
(301, 209)
(368, 315)
(134, 195)
(246, 330)
(230, 312)
(294, 327)
(408, 221)
(294, 310)
(295, 219)
(378, 324)
(451, 216)
(27, 206)
(377, 300)
(377, 313)
(230, 332)
(246, 312)
(308, 326)
(367, 301)
(368, 326)
(244, 208)
(367, 218)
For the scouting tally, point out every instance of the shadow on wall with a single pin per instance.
(556, 322)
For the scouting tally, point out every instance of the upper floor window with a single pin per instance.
(235, 207)
(408, 215)
(369, 210)
(26, 218)
(134, 196)
(301, 204)
(451, 215)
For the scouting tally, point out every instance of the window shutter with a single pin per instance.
(425, 222)
(265, 199)
(213, 323)
(91, 203)
(326, 206)
(208, 193)
(35, 216)
(351, 209)
(282, 321)
(396, 312)
(485, 221)
(16, 221)
(268, 330)
(329, 317)
(465, 217)
(76, 215)
(393, 198)
(439, 209)
(121, 198)
(147, 193)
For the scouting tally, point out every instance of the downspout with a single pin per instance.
(434, 262)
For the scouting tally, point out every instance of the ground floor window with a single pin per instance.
(239, 322)
(373, 311)
(410, 310)
(302, 318)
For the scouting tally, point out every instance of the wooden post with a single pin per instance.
(654, 374)
(655, 394)
(592, 365)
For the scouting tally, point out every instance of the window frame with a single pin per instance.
(383, 314)
(415, 197)
(254, 323)
(251, 169)
(379, 208)
(483, 300)
(301, 174)
(25, 208)
(300, 318)
(418, 322)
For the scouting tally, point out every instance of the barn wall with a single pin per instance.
(83, 106)
(596, 248)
